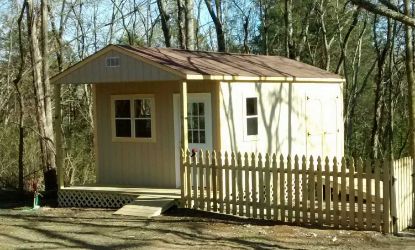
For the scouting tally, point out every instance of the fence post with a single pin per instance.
(393, 209)
(183, 177)
(413, 189)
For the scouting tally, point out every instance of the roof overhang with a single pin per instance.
(263, 78)
(193, 77)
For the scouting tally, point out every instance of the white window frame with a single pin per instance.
(131, 98)
(245, 118)
(110, 59)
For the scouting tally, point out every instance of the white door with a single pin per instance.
(314, 125)
(199, 125)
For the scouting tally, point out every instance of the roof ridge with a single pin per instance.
(198, 51)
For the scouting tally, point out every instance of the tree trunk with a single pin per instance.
(190, 31)
(385, 11)
(164, 18)
(289, 45)
(180, 24)
(380, 93)
(41, 85)
(409, 62)
(217, 20)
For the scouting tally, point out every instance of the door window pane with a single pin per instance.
(201, 108)
(202, 137)
(195, 109)
(251, 106)
(196, 122)
(252, 126)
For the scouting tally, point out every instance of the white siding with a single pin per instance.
(286, 116)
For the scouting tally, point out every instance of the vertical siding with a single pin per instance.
(282, 117)
(130, 70)
(142, 163)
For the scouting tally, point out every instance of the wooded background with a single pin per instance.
(39, 38)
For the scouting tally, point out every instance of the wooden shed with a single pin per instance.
(246, 103)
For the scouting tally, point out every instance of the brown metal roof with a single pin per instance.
(227, 64)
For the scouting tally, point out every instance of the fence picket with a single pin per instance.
(217, 166)
(352, 196)
(368, 168)
(247, 188)
(189, 170)
(336, 214)
(282, 189)
(194, 182)
(304, 185)
(267, 186)
(227, 180)
(289, 190)
(260, 186)
(377, 196)
(275, 186)
(327, 191)
(312, 194)
(319, 192)
(200, 181)
(215, 181)
(254, 186)
(360, 194)
(297, 189)
(343, 194)
(240, 185)
(386, 196)
(234, 181)
(209, 159)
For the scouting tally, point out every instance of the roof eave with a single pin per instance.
(265, 78)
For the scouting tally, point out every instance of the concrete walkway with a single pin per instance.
(147, 206)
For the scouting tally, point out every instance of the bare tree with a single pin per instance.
(164, 19)
(216, 16)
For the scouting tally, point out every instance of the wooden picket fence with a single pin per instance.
(349, 193)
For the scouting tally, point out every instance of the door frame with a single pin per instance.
(202, 97)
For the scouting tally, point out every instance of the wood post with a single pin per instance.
(183, 115)
(57, 128)
(184, 146)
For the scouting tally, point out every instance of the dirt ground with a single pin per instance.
(45, 228)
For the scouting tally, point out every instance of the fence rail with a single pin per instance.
(344, 193)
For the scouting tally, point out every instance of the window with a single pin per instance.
(251, 116)
(133, 118)
(196, 122)
(112, 61)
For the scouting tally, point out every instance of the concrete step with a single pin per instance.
(146, 206)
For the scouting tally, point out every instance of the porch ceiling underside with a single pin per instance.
(139, 64)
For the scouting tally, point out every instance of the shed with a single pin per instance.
(235, 102)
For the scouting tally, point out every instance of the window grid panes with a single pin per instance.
(133, 118)
(196, 122)
(122, 118)
(251, 106)
(142, 117)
